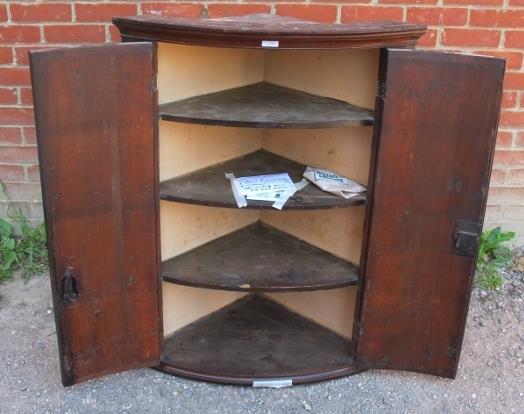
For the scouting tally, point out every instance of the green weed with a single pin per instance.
(493, 255)
(22, 246)
(8, 255)
(24, 252)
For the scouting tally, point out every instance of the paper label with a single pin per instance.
(277, 188)
(326, 175)
(262, 184)
(273, 383)
(333, 183)
(239, 198)
(270, 43)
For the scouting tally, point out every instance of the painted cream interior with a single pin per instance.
(185, 71)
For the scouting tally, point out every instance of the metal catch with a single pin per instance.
(68, 286)
(466, 238)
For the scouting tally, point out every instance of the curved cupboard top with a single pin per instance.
(269, 31)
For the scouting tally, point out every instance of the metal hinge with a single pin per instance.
(357, 328)
(466, 238)
(381, 92)
(153, 85)
(273, 383)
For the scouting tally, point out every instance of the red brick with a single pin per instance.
(8, 96)
(516, 3)
(513, 59)
(10, 135)
(114, 34)
(408, 1)
(75, 34)
(29, 135)
(19, 34)
(513, 80)
(15, 76)
(92, 12)
(509, 157)
(497, 18)
(437, 15)
(504, 139)
(519, 140)
(314, 12)
(23, 191)
(512, 119)
(221, 10)
(500, 196)
(521, 101)
(26, 96)
(40, 12)
(498, 176)
(364, 13)
(12, 173)
(33, 173)
(476, 2)
(470, 37)
(172, 9)
(327, 1)
(16, 116)
(17, 154)
(514, 39)
(509, 99)
(6, 55)
(516, 176)
(22, 53)
(3, 13)
(429, 39)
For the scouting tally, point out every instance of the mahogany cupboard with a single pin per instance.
(152, 264)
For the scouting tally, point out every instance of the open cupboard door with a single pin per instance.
(95, 110)
(437, 117)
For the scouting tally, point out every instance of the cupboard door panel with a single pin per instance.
(437, 117)
(95, 110)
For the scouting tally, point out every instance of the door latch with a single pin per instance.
(381, 92)
(68, 286)
(466, 238)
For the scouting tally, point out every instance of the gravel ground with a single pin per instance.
(490, 378)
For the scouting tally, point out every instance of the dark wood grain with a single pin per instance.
(437, 115)
(249, 32)
(209, 186)
(259, 258)
(256, 338)
(95, 120)
(264, 105)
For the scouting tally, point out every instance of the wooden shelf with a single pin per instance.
(264, 105)
(259, 258)
(209, 186)
(254, 338)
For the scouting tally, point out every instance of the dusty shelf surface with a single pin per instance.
(265, 105)
(255, 337)
(259, 258)
(209, 187)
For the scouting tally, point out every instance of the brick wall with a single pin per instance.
(493, 27)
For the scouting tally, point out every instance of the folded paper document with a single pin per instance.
(276, 188)
(333, 183)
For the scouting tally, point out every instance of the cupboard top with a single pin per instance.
(268, 31)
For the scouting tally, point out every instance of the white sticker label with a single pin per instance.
(273, 383)
(269, 43)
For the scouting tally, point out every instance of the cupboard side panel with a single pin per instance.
(95, 122)
(185, 71)
(439, 115)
